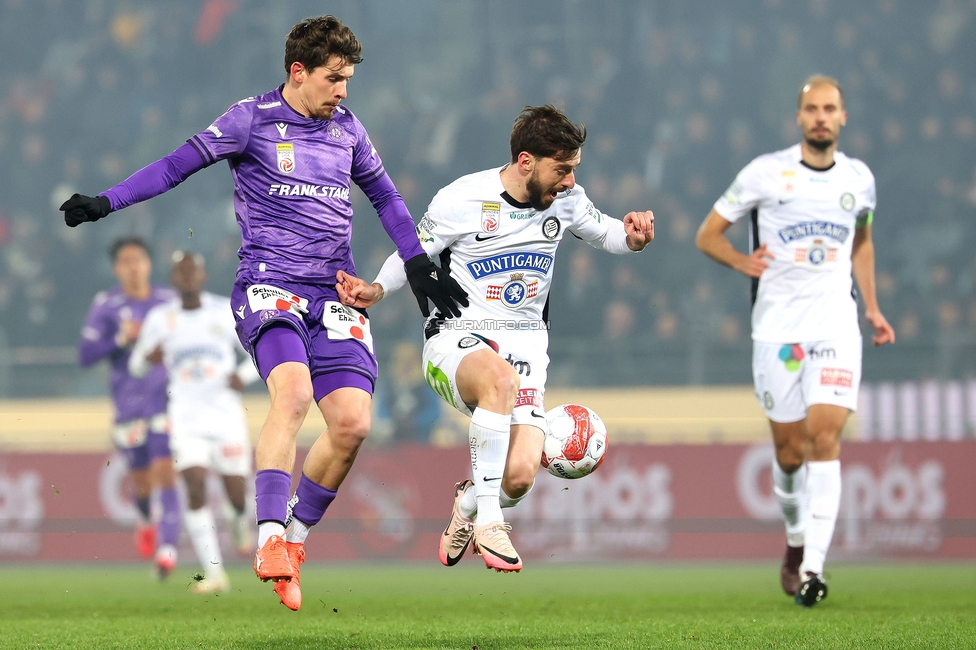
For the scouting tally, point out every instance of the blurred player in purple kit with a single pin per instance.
(140, 429)
(294, 153)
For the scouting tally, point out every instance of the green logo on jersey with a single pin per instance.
(439, 383)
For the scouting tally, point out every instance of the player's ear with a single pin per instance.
(297, 72)
(526, 162)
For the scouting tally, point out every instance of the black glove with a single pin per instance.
(80, 208)
(430, 281)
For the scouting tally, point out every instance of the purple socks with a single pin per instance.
(169, 524)
(272, 488)
(313, 501)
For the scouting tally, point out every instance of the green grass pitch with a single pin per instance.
(546, 606)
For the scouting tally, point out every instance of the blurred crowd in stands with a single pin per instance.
(676, 97)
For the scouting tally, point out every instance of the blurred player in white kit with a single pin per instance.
(811, 209)
(195, 339)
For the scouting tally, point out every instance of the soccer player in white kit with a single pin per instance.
(811, 209)
(497, 232)
(195, 339)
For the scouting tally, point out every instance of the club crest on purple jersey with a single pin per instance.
(335, 132)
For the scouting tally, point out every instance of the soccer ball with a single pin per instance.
(576, 440)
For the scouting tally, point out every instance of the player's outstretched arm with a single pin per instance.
(862, 262)
(712, 241)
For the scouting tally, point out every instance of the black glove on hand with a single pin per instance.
(430, 281)
(80, 208)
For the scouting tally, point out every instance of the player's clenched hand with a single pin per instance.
(639, 227)
(156, 356)
(883, 332)
(80, 208)
(753, 265)
(428, 281)
(356, 292)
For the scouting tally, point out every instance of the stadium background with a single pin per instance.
(676, 100)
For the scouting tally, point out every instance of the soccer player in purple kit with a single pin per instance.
(293, 153)
(140, 430)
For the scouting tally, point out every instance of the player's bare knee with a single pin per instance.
(505, 384)
(293, 400)
(519, 480)
(350, 430)
(789, 458)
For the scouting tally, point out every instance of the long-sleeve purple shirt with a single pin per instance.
(292, 176)
(133, 398)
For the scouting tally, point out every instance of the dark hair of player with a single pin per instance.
(545, 132)
(819, 80)
(314, 40)
(119, 244)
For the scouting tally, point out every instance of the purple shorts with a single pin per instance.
(338, 343)
(155, 446)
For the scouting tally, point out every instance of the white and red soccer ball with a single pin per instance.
(575, 443)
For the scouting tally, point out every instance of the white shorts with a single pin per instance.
(790, 377)
(525, 350)
(228, 454)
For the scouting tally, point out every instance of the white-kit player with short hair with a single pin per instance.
(497, 232)
(811, 209)
(194, 338)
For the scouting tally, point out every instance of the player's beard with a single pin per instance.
(539, 197)
(821, 143)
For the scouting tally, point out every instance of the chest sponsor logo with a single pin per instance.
(521, 216)
(282, 128)
(262, 297)
(816, 255)
(490, 213)
(286, 157)
(324, 191)
(814, 229)
(336, 134)
(836, 377)
(551, 228)
(508, 262)
(847, 201)
(514, 292)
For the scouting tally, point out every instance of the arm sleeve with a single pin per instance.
(743, 194)
(393, 215)
(97, 336)
(150, 336)
(156, 178)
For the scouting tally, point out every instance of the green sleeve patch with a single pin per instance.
(864, 219)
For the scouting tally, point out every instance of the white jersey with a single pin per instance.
(806, 218)
(500, 251)
(200, 353)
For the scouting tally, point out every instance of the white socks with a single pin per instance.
(790, 493)
(297, 532)
(267, 529)
(488, 438)
(202, 529)
(823, 493)
(469, 502)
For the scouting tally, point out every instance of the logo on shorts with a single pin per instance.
(521, 367)
(439, 383)
(550, 228)
(768, 400)
(836, 377)
(269, 314)
(528, 397)
(266, 296)
(468, 342)
(791, 355)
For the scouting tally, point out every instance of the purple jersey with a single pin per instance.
(133, 398)
(292, 179)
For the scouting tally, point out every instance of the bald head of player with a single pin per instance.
(320, 54)
(820, 113)
(189, 276)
